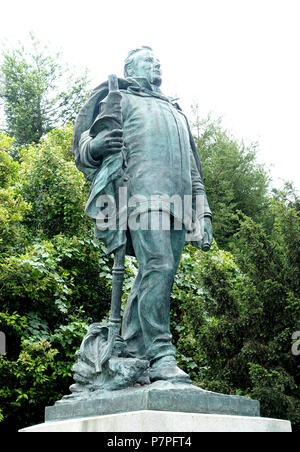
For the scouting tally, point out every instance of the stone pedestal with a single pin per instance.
(159, 407)
(158, 396)
(162, 421)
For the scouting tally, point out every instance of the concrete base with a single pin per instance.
(162, 421)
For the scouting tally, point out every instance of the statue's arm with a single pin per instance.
(196, 175)
(199, 190)
(106, 143)
(92, 150)
(87, 157)
(198, 186)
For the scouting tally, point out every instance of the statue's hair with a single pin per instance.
(130, 58)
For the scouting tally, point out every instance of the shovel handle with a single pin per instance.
(116, 298)
(113, 84)
(119, 267)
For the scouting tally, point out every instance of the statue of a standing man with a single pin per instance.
(160, 164)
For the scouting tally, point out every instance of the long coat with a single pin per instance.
(160, 156)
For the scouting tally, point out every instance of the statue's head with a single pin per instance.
(142, 62)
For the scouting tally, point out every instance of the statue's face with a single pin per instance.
(148, 66)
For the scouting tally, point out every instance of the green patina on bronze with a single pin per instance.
(134, 136)
(130, 135)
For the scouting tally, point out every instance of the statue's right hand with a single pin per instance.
(110, 143)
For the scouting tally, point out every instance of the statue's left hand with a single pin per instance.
(208, 234)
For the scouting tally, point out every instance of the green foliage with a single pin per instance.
(287, 195)
(55, 278)
(53, 186)
(8, 167)
(38, 91)
(34, 281)
(12, 209)
(233, 317)
(36, 371)
(233, 179)
(12, 204)
(274, 389)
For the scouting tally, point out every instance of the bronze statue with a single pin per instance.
(147, 200)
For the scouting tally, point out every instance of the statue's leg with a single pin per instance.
(150, 300)
(165, 367)
(131, 327)
(177, 243)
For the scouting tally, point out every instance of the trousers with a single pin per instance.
(146, 320)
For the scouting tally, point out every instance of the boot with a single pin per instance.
(166, 368)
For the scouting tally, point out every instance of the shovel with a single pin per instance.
(112, 118)
(114, 326)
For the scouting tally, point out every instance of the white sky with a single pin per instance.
(238, 59)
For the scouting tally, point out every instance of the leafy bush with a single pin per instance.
(233, 178)
(233, 317)
(51, 183)
(55, 279)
